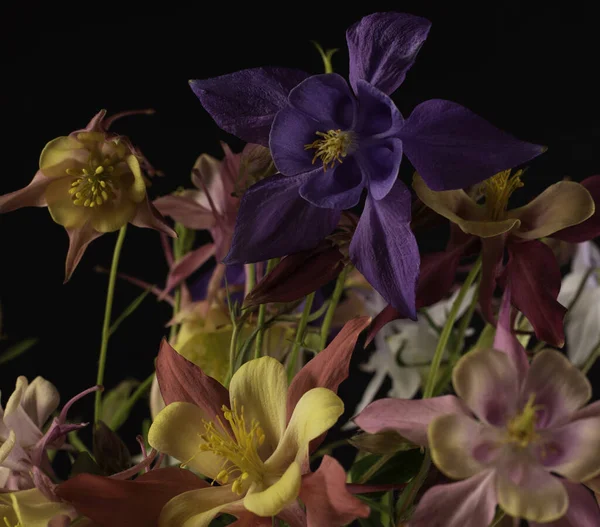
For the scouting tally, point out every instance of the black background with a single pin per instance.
(528, 69)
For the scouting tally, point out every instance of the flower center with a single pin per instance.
(498, 189)
(93, 186)
(521, 428)
(333, 146)
(240, 452)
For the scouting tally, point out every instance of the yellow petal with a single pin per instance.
(274, 498)
(176, 431)
(137, 191)
(316, 412)
(560, 206)
(61, 206)
(452, 439)
(113, 214)
(62, 153)
(197, 508)
(260, 386)
(33, 509)
(459, 208)
(206, 349)
(536, 495)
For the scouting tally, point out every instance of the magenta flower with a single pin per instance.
(519, 435)
(331, 140)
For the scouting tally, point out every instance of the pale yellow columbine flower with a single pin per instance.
(30, 508)
(251, 450)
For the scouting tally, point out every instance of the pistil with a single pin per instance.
(332, 148)
(497, 191)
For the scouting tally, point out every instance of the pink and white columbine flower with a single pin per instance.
(519, 435)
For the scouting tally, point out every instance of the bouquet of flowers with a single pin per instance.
(305, 242)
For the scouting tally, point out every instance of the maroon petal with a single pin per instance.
(330, 367)
(298, 274)
(491, 265)
(181, 380)
(386, 315)
(33, 195)
(327, 500)
(590, 228)
(534, 280)
(79, 239)
(117, 503)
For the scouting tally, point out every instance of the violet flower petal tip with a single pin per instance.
(384, 46)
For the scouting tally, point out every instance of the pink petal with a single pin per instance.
(185, 210)
(590, 410)
(330, 367)
(33, 195)
(559, 387)
(468, 503)
(187, 265)
(181, 380)
(121, 503)
(293, 515)
(583, 509)
(148, 217)
(506, 341)
(410, 418)
(79, 239)
(327, 500)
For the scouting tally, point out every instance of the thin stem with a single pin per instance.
(110, 293)
(123, 411)
(300, 334)
(176, 308)
(250, 270)
(335, 298)
(233, 350)
(591, 359)
(447, 330)
(262, 309)
(409, 494)
(374, 468)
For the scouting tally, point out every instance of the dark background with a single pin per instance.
(529, 70)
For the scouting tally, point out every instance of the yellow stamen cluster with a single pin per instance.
(240, 452)
(521, 428)
(497, 191)
(8, 524)
(93, 186)
(335, 145)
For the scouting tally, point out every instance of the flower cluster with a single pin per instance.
(312, 261)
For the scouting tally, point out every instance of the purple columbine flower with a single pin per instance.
(331, 140)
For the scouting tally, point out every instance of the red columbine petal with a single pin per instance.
(298, 274)
(181, 380)
(33, 195)
(79, 239)
(117, 503)
(492, 253)
(534, 280)
(386, 315)
(327, 500)
(330, 367)
(590, 228)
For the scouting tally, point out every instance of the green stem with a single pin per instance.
(409, 494)
(591, 359)
(110, 293)
(123, 411)
(447, 330)
(232, 351)
(374, 468)
(262, 309)
(335, 298)
(176, 308)
(250, 270)
(300, 335)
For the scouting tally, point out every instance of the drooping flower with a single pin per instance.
(330, 140)
(92, 183)
(254, 439)
(582, 322)
(518, 435)
(564, 210)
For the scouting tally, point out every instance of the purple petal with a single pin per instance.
(336, 188)
(453, 148)
(583, 509)
(383, 47)
(327, 99)
(385, 251)
(468, 503)
(377, 113)
(244, 103)
(274, 220)
(381, 162)
(409, 418)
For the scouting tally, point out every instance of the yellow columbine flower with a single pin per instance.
(30, 508)
(251, 452)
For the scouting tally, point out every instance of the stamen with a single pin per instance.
(497, 191)
(521, 428)
(94, 185)
(335, 145)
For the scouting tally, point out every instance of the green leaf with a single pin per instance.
(17, 349)
(401, 468)
(84, 464)
(116, 398)
(128, 311)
